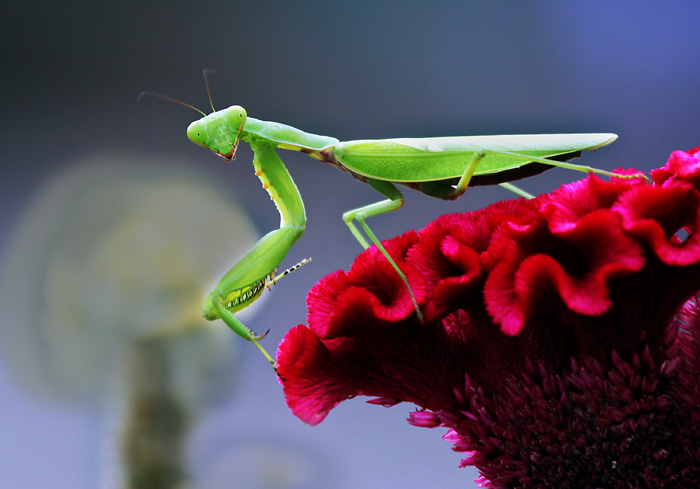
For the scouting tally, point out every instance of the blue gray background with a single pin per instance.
(71, 74)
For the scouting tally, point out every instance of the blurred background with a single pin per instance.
(114, 226)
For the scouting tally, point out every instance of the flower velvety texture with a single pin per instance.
(559, 344)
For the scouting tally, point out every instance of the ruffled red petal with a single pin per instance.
(449, 264)
(371, 291)
(389, 298)
(655, 216)
(322, 300)
(681, 165)
(572, 202)
(305, 368)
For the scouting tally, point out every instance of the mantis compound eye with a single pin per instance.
(235, 116)
(197, 133)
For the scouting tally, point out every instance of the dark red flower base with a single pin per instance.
(560, 335)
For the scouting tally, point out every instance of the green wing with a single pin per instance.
(429, 159)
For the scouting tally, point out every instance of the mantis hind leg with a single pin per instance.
(516, 190)
(469, 172)
(471, 167)
(395, 201)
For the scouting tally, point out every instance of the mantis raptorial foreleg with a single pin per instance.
(243, 297)
(236, 325)
(247, 279)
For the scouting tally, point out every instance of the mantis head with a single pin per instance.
(219, 131)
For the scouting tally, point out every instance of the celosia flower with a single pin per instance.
(560, 341)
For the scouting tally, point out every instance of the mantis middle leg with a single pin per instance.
(395, 201)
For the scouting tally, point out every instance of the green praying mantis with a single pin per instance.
(441, 167)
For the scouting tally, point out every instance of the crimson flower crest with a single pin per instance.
(560, 342)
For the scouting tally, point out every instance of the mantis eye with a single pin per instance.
(236, 116)
(197, 134)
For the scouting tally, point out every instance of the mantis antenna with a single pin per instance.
(169, 99)
(205, 72)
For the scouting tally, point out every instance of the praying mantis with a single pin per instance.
(441, 167)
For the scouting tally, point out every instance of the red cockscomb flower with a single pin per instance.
(560, 342)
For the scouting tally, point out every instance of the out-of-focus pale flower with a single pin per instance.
(118, 249)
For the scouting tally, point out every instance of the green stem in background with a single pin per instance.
(156, 423)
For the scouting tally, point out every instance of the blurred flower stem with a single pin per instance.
(156, 422)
